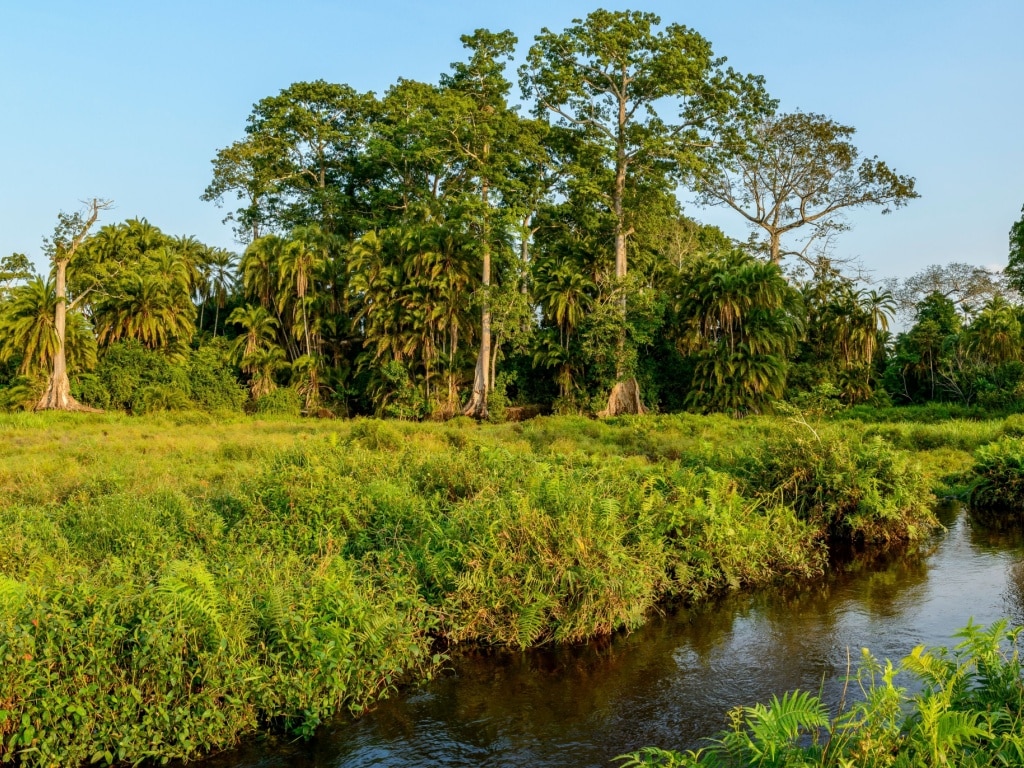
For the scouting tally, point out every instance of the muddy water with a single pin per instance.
(671, 683)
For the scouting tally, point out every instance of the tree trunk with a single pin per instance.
(625, 398)
(625, 395)
(477, 405)
(57, 396)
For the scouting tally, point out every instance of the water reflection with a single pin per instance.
(672, 682)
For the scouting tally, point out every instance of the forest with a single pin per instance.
(441, 249)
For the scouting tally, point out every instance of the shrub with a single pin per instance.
(852, 488)
(127, 368)
(999, 473)
(283, 401)
(212, 382)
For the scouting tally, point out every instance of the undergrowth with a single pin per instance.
(169, 584)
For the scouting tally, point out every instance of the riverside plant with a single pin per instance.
(962, 707)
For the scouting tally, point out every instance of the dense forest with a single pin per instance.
(444, 249)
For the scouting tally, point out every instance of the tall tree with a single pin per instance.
(486, 140)
(68, 237)
(1015, 266)
(253, 169)
(608, 79)
(797, 171)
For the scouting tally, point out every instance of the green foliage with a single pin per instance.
(212, 384)
(852, 487)
(166, 590)
(128, 368)
(739, 318)
(283, 401)
(1015, 265)
(999, 473)
(967, 712)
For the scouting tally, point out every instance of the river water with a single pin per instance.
(670, 683)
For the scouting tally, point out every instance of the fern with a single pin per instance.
(12, 593)
(530, 623)
(193, 594)
(762, 734)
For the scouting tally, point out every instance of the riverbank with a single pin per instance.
(171, 584)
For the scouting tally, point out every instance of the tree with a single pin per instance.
(221, 268)
(1015, 266)
(738, 318)
(969, 287)
(607, 79)
(296, 165)
(489, 126)
(251, 169)
(920, 368)
(28, 333)
(149, 295)
(14, 269)
(788, 172)
(68, 237)
(255, 350)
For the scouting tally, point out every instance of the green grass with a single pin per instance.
(169, 584)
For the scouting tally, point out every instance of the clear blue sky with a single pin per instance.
(130, 100)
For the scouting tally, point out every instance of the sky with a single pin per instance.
(130, 101)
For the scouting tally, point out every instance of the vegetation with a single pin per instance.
(961, 707)
(169, 583)
(176, 578)
(408, 253)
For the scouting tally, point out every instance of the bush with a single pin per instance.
(153, 398)
(852, 488)
(283, 401)
(999, 473)
(127, 367)
(212, 382)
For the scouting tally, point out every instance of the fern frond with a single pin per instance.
(193, 594)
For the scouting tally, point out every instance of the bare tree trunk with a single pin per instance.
(625, 398)
(70, 235)
(57, 396)
(625, 395)
(477, 405)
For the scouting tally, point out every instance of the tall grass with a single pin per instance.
(171, 583)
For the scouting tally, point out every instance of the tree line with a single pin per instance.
(440, 249)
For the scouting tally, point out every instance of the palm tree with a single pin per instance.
(737, 316)
(300, 261)
(222, 281)
(260, 330)
(255, 350)
(27, 331)
(261, 280)
(263, 364)
(150, 310)
(995, 334)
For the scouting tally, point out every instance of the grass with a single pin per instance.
(169, 584)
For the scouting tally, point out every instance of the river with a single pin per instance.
(670, 683)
